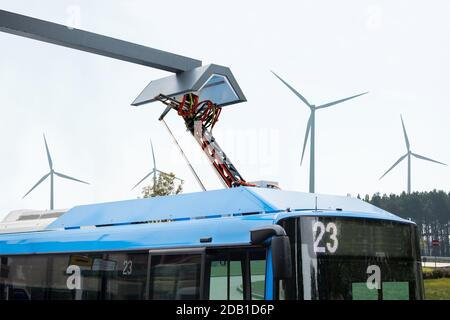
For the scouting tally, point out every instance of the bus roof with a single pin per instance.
(225, 202)
(225, 216)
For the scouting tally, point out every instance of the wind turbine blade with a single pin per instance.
(148, 175)
(294, 91)
(339, 101)
(404, 132)
(153, 155)
(50, 162)
(308, 129)
(69, 178)
(168, 174)
(428, 159)
(393, 166)
(37, 183)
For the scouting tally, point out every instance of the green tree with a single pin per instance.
(164, 185)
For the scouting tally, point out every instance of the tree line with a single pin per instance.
(429, 210)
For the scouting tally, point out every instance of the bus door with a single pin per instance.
(176, 274)
(235, 273)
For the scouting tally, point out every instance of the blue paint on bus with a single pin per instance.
(269, 276)
(226, 216)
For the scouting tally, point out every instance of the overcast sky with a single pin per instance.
(397, 50)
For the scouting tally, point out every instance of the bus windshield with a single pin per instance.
(354, 259)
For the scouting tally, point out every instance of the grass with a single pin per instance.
(437, 289)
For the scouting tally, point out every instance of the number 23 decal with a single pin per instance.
(127, 267)
(319, 230)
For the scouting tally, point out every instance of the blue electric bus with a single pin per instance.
(238, 243)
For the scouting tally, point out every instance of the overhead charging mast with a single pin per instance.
(196, 92)
(200, 117)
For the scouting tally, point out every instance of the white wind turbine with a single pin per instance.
(154, 170)
(310, 129)
(408, 154)
(51, 174)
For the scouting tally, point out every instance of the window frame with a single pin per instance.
(178, 251)
(245, 268)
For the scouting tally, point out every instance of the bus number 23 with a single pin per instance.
(127, 267)
(319, 230)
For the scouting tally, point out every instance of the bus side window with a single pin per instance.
(218, 280)
(237, 274)
(24, 277)
(175, 276)
(126, 276)
(257, 279)
(226, 279)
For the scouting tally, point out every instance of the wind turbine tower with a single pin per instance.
(311, 129)
(51, 174)
(408, 154)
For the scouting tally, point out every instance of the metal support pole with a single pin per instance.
(184, 156)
